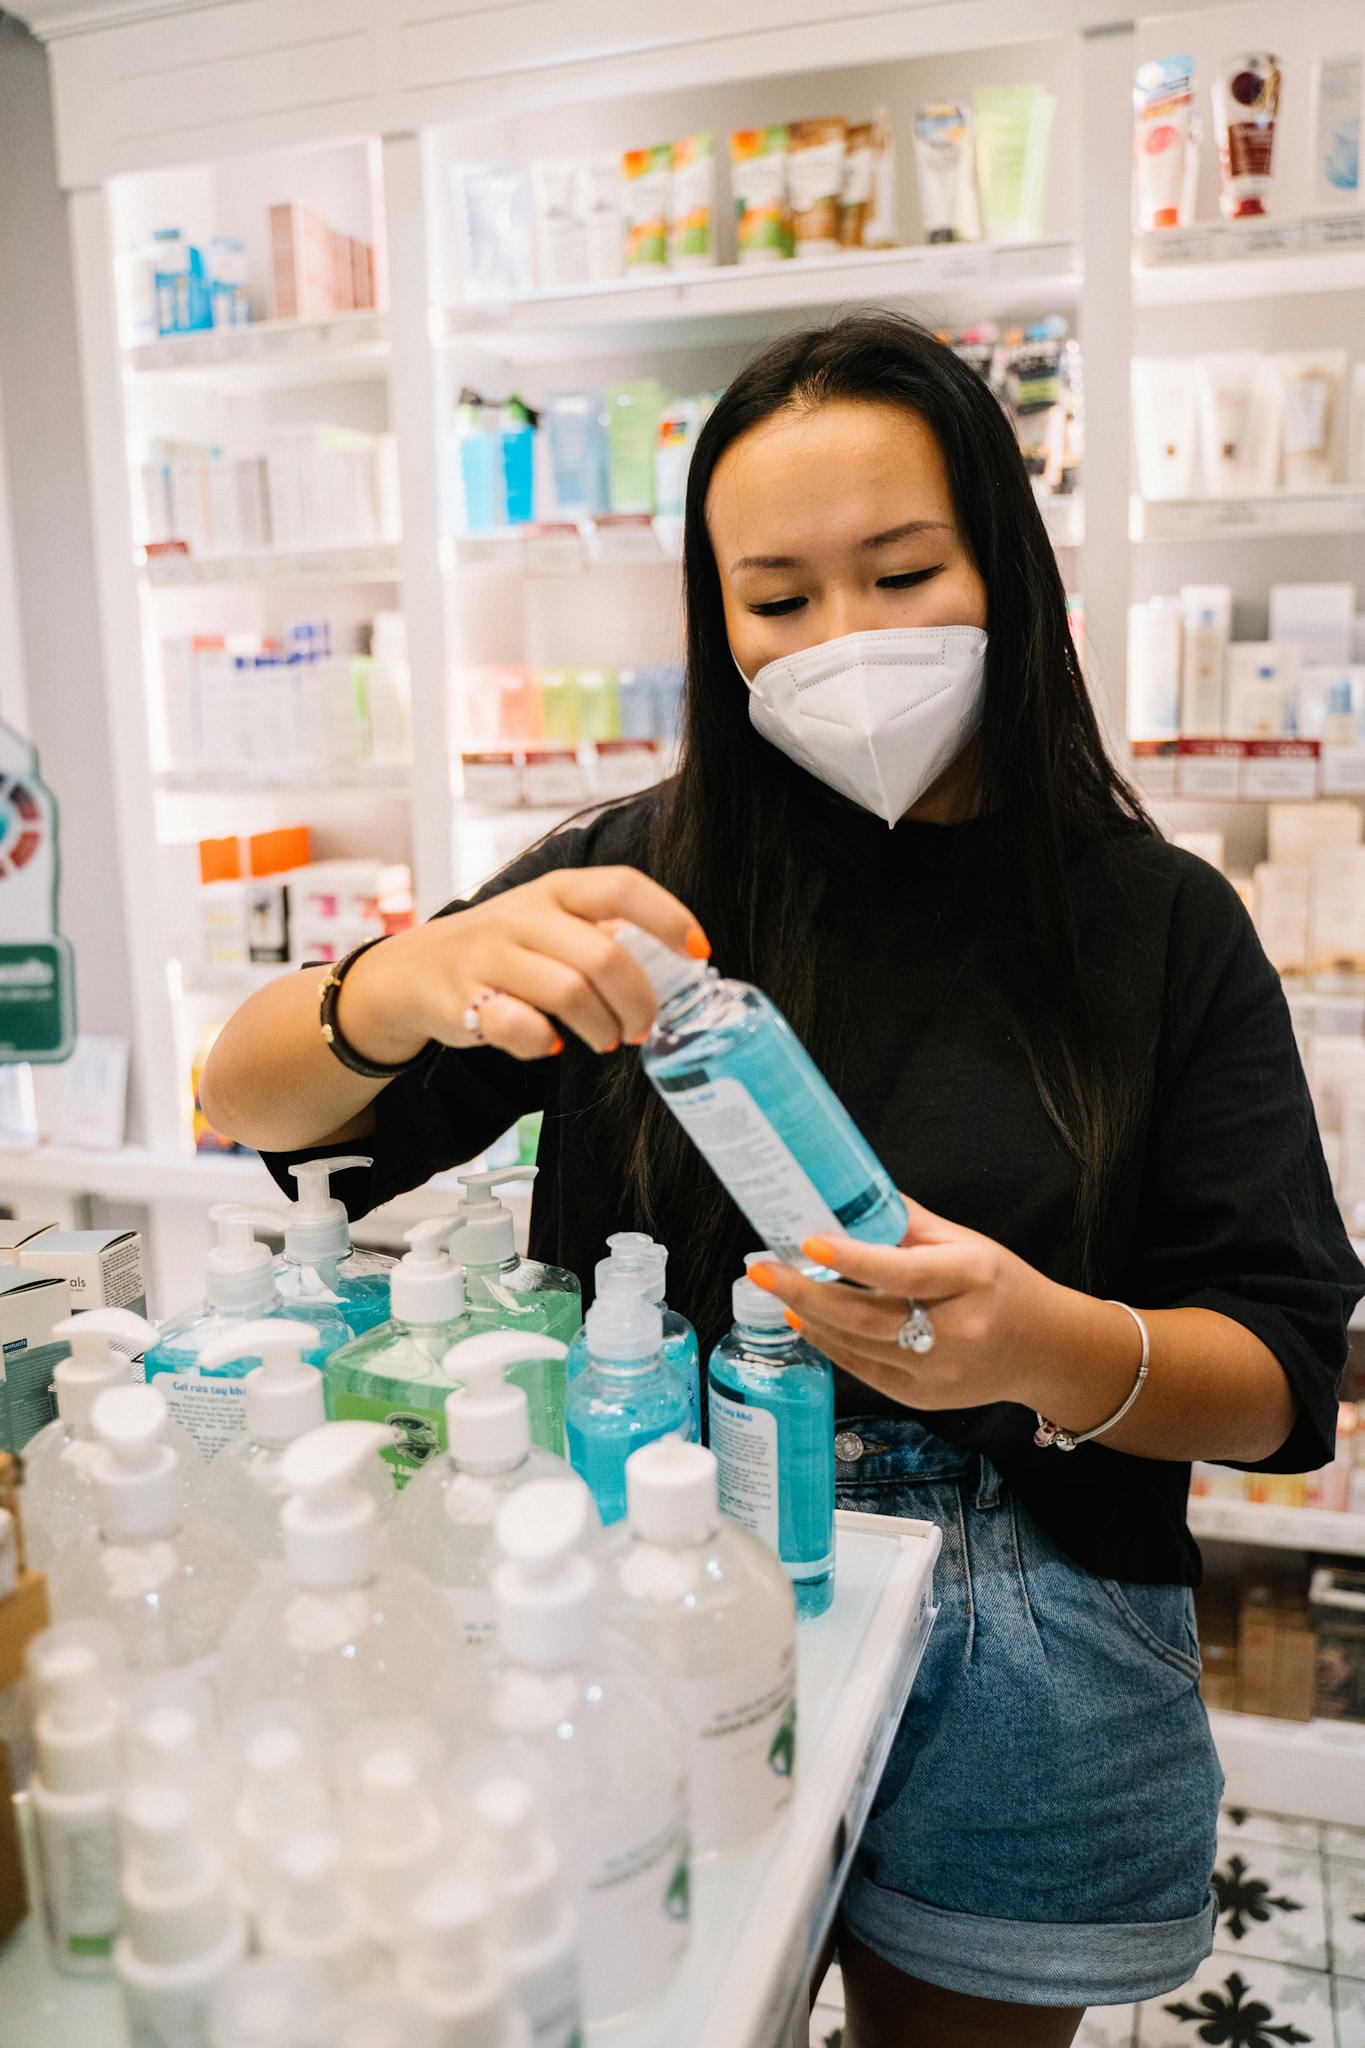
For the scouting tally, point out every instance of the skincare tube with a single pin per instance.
(1013, 146)
(1341, 87)
(1163, 115)
(1164, 425)
(1207, 630)
(1246, 98)
(946, 166)
(1230, 395)
(1154, 652)
(815, 172)
(692, 224)
(1310, 382)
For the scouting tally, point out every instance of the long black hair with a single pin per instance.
(737, 838)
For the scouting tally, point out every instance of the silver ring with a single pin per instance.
(916, 1333)
(470, 1019)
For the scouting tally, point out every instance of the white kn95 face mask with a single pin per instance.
(877, 716)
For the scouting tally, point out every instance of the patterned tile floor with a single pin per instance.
(1288, 1965)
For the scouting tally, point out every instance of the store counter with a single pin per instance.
(760, 1917)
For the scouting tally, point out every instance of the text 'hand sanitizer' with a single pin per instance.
(320, 1263)
(443, 1522)
(759, 1110)
(75, 1673)
(635, 1261)
(394, 1374)
(714, 1607)
(506, 1292)
(770, 1398)
(626, 1395)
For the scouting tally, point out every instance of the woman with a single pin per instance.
(1061, 1036)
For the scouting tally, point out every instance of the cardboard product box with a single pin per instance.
(1256, 1651)
(15, 1233)
(1294, 1674)
(14, 1905)
(103, 1267)
(1218, 1633)
(30, 1304)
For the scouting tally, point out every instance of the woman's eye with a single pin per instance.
(907, 581)
(778, 608)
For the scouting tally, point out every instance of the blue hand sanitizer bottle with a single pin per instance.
(320, 1263)
(636, 1261)
(627, 1395)
(759, 1110)
(770, 1404)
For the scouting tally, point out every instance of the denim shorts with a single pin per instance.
(1044, 1830)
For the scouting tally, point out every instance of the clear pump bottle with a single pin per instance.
(627, 1395)
(536, 1924)
(448, 1968)
(635, 1260)
(183, 1926)
(506, 1292)
(320, 1263)
(770, 1401)
(759, 1110)
(76, 1677)
(311, 1912)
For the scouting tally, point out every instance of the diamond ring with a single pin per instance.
(916, 1333)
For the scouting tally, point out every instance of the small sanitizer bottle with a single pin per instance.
(635, 1260)
(448, 1969)
(759, 1110)
(770, 1401)
(75, 1673)
(266, 2002)
(183, 1925)
(626, 1395)
(320, 1263)
(535, 1919)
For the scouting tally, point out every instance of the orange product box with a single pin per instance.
(220, 860)
(274, 853)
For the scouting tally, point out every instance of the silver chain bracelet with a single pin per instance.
(1048, 1435)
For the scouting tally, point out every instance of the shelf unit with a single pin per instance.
(1240, 1521)
(1315, 1769)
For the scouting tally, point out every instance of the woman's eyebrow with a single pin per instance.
(874, 540)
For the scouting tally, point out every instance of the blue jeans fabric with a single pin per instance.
(1044, 1831)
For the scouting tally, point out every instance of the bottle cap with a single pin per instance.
(164, 1743)
(671, 1492)
(448, 1950)
(545, 1588)
(425, 1286)
(669, 974)
(269, 2002)
(75, 1670)
(94, 1363)
(283, 1393)
(624, 1329)
(279, 1785)
(317, 1226)
(313, 1911)
(391, 1807)
(485, 1229)
(523, 1862)
(239, 1272)
(635, 1259)
(177, 1902)
(488, 1423)
(754, 1308)
(331, 1527)
(137, 1476)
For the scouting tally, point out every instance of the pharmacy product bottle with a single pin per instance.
(505, 1292)
(333, 1633)
(75, 1673)
(393, 1374)
(770, 1401)
(625, 1396)
(588, 1720)
(183, 1925)
(448, 1968)
(443, 1522)
(394, 1831)
(170, 1741)
(311, 1913)
(634, 1259)
(267, 2002)
(759, 1110)
(536, 1924)
(59, 1494)
(320, 1263)
(378, 2016)
(714, 1608)
(279, 1787)
(240, 1287)
(165, 1578)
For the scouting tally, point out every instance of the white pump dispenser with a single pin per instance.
(76, 1734)
(395, 1828)
(448, 1968)
(318, 1228)
(284, 1400)
(485, 1229)
(312, 1914)
(239, 1271)
(183, 1928)
(426, 1286)
(320, 1263)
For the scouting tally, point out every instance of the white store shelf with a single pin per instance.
(736, 302)
(1241, 1521)
(1221, 260)
(1315, 1769)
(372, 562)
(1340, 509)
(224, 782)
(268, 354)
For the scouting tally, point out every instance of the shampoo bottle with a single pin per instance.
(714, 1608)
(770, 1400)
(320, 1263)
(505, 1292)
(625, 1396)
(183, 1926)
(759, 1110)
(76, 1737)
(443, 1522)
(635, 1260)
(535, 1920)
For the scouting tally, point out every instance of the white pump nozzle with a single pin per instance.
(137, 1478)
(668, 973)
(239, 1272)
(76, 1669)
(317, 1227)
(178, 1904)
(488, 1423)
(525, 1866)
(753, 1308)
(624, 1329)
(283, 1393)
(331, 1528)
(485, 1230)
(94, 1363)
(425, 1287)
(545, 1587)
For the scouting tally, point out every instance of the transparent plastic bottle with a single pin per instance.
(714, 1608)
(770, 1401)
(506, 1292)
(268, 2002)
(443, 1522)
(183, 1925)
(393, 1826)
(310, 1912)
(634, 1260)
(320, 1263)
(536, 1924)
(757, 1107)
(627, 1395)
(76, 1674)
(449, 1969)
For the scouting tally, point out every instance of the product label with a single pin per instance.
(419, 1434)
(552, 2001)
(637, 1909)
(213, 1411)
(26, 1372)
(742, 1733)
(744, 1440)
(79, 1861)
(475, 1612)
(169, 2016)
(754, 1164)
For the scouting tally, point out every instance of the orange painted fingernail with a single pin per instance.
(762, 1276)
(558, 1046)
(697, 943)
(616, 1047)
(789, 1315)
(818, 1248)
(639, 1040)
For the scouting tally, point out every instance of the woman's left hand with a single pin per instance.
(991, 1311)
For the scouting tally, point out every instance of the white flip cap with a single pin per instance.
(485, 1229)
(524, 1863)
(164, 1744)
(754, 1308)
(283, 1393)
(331, 1527)
(313, 1913)
(94, 1364)
(671, 1492)
(177, 1900)
(488, 1423)
(279, 1783)
(74, 1669)
(239, 1272)
(669, 974)
(624, 1329)
(317, 1227)
(545, 1588)
(425, 1286)
(137, 1477)
(447, 1954)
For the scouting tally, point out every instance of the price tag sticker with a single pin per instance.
(1276, 769)
(1211, 769)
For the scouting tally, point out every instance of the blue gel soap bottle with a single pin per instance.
(627, 1395)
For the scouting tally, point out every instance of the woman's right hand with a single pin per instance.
(533, 962)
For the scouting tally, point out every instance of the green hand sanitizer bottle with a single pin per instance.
(506, 1292)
